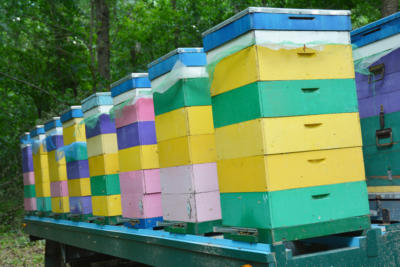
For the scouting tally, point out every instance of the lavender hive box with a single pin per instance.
(194, 208)
(30, 204)
(80, 205)
(137, 134)
(143, 110)
(141, 206)
(78, 169)
(59, 189)
(140, 182)
(29, 178)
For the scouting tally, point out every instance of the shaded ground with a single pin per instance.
(16, 250)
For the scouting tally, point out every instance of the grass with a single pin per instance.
(17, 250)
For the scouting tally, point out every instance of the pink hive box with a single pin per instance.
(140, 182)
(29, 204)
(142, 110)
(197, 178)
(59, 189)
(141, 206)
(199, 207)
(29, 178)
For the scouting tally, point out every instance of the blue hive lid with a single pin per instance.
(276, 19)
(52, 123)
(39, 129)
(25, 138)
(376, 31)
(130, 82)
(191, 57)
(95, 100)
(72, 112)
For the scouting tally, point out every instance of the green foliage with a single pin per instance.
(48, 58)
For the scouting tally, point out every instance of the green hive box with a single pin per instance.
(29, 191)
(43, 204)
(105, 185)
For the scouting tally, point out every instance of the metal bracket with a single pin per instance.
(377, 70)
(383, 132)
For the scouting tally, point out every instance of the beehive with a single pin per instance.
(185, 136)
(285, 115)
(76, 158)
(137, 148)
(28, 174)
(102, 153)
(41, 170)
(376, 57)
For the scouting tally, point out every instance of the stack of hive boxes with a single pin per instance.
(75, 153)
(137, 147)
(41, 170)
(102, 152)
(376, 60)
(186, 142)
(57, 167)
(28, 174)
(287, 128)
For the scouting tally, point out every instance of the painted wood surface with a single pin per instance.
(75, 152)
(140, 182)
(138, 158)
(42, 175)
(27, 160)
(184, 93)
(137, 134)
(187, 150)
(272, 172)
(79, 187)
(297, 98)
(59, 189)
(371, 124)
(258, 63)
(288, 134)
(72, 113)
(371, 106)
(42, 189)
(40, 161)
(106, 205)
(198, 207)
(105, 185)
(142, 110)
(130, 84)
(103, 125)
(29, 178)
(182, 122)
(30, 204)
(95, 100)
(383, 189)
(277, 38)
(29, 191)
(43, 204)
(102, 144)
(74, 133)
(103, 164)
(54, 142)
(57, 169)
(275, 22)
(130, 95)
(187, 179)
(141, 205)
(301, 206)
(80, 205)
(376, 30)
(78, 169)
(382, 162)
(191, 57)
(60, 204)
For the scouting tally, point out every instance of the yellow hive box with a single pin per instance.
(74, 132)
(40, 161)
(41, 150)
(102, 144)
(289, 171)
(187, 150)
(57, 169)
(42, 176)
(53, 159)
(258, 63)
(103, 164)
(42, 189)
(383, 189)
(106, 205)
(138, 158)
(195, 120)
(288, 134)
(79, 187)
(60, 204)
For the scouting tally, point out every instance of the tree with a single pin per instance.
(389, 7)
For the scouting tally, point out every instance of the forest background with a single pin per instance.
(54, 53)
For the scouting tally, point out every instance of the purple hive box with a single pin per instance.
(80, 205)
(137, 134)
(78, 169)
(104, 125)
(27, 161)
(384, 91)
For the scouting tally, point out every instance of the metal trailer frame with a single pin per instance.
(68, 241)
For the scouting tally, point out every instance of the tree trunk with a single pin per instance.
(389, 7)
(103, 40)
